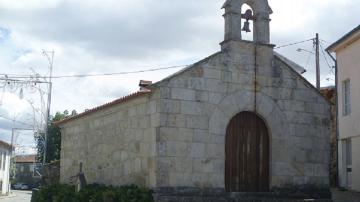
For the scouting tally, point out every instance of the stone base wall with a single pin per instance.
(187, 194)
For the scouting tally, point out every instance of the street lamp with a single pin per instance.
(301, 50)
(317, 65)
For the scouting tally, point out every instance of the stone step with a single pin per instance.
(187, 194)
(226, 199)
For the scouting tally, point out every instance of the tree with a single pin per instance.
(53, 138)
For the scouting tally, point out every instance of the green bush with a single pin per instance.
(92, 193)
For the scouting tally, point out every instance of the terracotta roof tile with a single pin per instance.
(328, 92)
(25, 159)
(105, 106)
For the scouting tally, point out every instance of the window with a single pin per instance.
(346, 98)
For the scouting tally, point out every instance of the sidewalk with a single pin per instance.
(18, 196)
(11, 195)
(345, 196)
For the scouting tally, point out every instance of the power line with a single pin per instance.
(13, 79)
(308, 59)
(291, 44)
(324, 41)
(15, 76)
(327, 62)
(104, 74)
(20, 122)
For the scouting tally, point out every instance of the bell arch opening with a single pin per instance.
(247, 28)
(247, 154)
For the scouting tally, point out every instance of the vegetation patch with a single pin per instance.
(91, 193)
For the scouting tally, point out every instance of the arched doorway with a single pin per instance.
(247, 154)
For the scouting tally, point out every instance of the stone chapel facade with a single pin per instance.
(241, 120)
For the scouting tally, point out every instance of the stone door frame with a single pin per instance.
(266, 108)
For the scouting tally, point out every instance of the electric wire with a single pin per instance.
(15, 76)
(97, 75)
(308, 60)
(327, 62)
(324, 41)
(291, 44)
(13, 120)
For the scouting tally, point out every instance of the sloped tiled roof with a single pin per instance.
(25, 158)
(105, 106)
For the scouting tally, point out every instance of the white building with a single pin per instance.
(5, 151)
(347, 51)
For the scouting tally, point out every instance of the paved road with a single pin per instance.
(21, 196)
(345, 196)
(338, 196)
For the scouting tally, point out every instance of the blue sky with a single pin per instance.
(102, 36)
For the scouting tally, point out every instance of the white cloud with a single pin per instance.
(101, 36)
(27, 4)
(14, 105)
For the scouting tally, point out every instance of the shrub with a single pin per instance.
(92, 193)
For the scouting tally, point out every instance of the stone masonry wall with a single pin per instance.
(116, 145)
(197, 104)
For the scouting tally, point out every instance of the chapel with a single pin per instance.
(241, 120)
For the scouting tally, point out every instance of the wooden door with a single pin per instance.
(247, 154)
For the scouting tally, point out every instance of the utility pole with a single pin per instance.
(317, 58)
(51, 62)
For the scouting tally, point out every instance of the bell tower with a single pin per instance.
(259, 15)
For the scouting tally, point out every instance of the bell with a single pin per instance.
(246, 27)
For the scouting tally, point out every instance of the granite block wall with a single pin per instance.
(198, 103)
(115, 145)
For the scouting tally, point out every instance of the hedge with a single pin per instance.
(91, 193)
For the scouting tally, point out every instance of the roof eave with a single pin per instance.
(290, 63)
(102, 107)
(343, 41)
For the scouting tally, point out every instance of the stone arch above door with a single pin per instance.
(240, 101)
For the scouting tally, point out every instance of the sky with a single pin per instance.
(105, 36)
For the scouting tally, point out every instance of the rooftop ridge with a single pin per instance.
(104, 106)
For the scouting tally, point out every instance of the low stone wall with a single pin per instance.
(186, 194)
